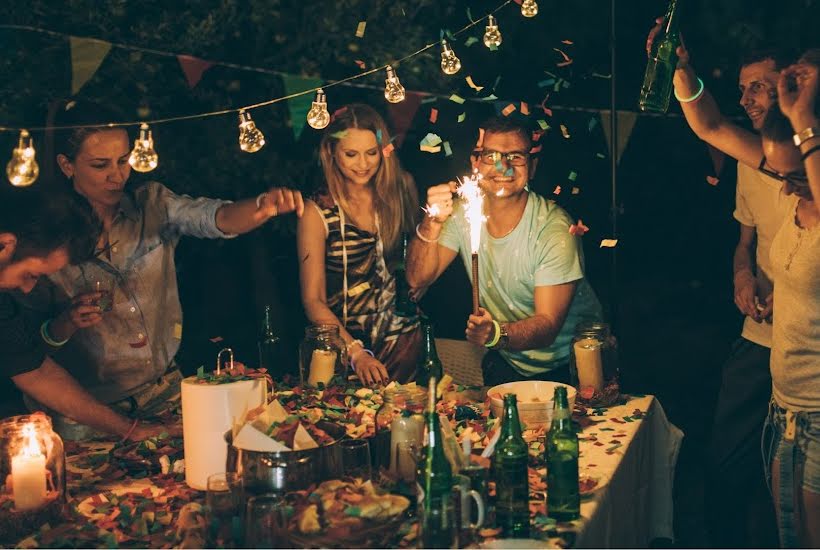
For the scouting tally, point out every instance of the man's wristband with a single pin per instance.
(422, 237)
(47, 337)
(804, 135)
(694, 97)
(809, 153)
(496, 335)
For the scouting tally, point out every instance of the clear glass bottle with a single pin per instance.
(322, 355)
(32, 476)
(593, 364)
(661, 65)
(269, 344)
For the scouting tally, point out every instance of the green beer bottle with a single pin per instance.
(429, 365)
(269, 345)
(663, 59)
(435, 484)
(563, 498)
(512, 489)
(404, 305)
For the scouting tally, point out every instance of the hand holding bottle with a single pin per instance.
(681, 51)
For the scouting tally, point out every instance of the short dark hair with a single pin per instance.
(781, 57)
(507, 125)
(44, 220)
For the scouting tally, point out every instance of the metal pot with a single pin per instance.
(280, 472)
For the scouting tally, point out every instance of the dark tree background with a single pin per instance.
(668, 294)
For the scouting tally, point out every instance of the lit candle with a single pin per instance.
(28, 474)
(322, 366)
(588, 364)
(409, 430)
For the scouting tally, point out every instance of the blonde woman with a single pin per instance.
(349, 240)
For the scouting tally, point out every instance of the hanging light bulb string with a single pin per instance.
(232, 65)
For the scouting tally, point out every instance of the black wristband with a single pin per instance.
(808, 153)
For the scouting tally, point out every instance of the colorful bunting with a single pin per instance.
(401, 115)
(193, 68)
(298, 107)
(626, 123)
(87, 55)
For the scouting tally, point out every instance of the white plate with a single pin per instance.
(514, 543)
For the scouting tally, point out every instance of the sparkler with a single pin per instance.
(473, 198)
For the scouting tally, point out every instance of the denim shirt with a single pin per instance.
(136, 341)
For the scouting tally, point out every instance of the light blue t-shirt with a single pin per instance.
(540, 251)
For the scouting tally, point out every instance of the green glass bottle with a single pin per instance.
(660, 69)
(435, 484)
(404, 305)
(563, 497)
(429, 365)
(512, 490)
(269, 345)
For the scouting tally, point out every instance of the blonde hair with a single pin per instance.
(395, 198)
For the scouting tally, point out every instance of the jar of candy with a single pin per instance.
(322, 355)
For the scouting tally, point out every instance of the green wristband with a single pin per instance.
(496, 335)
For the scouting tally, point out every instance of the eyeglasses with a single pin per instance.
(514, 158)
(792, 178)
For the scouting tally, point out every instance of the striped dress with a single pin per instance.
(371, 287)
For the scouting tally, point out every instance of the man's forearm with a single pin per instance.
(422, 256)
(742, 263)
(240, 217)
(52, 386)
(538, 331)
(702, 115)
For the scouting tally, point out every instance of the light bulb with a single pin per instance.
(143, 157)
(318, 117)
(492, 36)
(251, 139)
(22, 170)
(450, 64)
(529, 8)
(393, 90)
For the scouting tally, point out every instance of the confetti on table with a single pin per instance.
(462, 117)
(433, 115)
(447, 150)
(525, 109)
(573, 175)
(543, 124)
(506, 111)
(470, 41)
(712, 180)
(472, 84)
(457, 99)
(557, 190)
(609, 243)
(578, 228)
(360, 29)
(564, 131)
(387, 150)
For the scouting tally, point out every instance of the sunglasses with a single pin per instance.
(798, 179)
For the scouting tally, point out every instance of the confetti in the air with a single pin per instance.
(470, 41)
(557, 190)
(564, 131)
(360, 29)
(462, 117)
(506, 111)
(361, 64)
(457, 99)
(573, 175)
(448, 152)
(387, 150)
(525, 109)
(578, 228)
(567, 60)
(608, 243)
(536, 149)
(712, 180)
(575, 190)
(433, 115)
(480, 143)
(472, 84)
(543, 124)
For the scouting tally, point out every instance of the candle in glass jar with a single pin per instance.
(409, 429)
(588, 363)
(28, 474)
(322, 366)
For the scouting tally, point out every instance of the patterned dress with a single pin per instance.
(355, 266)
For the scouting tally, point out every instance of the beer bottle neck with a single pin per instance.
(671, 19)
(561, 417)
(429, 344)
(511, 426)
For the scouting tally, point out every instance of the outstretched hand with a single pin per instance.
(797, 94)
(281, 200)
(681, 51)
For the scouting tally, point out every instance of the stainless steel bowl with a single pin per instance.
(280, 472)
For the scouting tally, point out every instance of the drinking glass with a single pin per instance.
(224, 505)
(266, 522)
(355, 458)
(102, 282)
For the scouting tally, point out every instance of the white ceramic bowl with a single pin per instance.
(534, 400)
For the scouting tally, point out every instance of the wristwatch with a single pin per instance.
(503, 338)
(804, 135)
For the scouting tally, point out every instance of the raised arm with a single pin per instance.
(246, 215)
(426, 259)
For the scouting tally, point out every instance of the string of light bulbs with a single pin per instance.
(22, 170)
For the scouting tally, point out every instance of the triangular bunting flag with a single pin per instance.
(626, 123)
(298, 107)
(193, 67)
(717, 157)
(401, 116)
(87, 55)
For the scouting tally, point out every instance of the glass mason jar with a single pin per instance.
(32, 475)
(593, 364)
(322, 355)
(400, 424)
